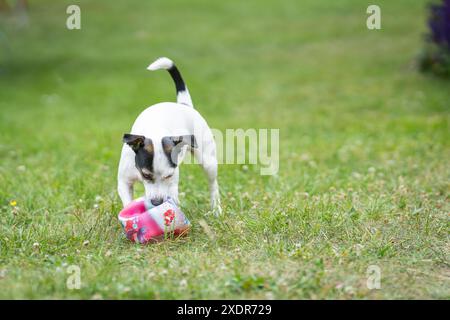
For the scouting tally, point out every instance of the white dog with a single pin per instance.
(158, 141)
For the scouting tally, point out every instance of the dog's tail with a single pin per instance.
(183, 95)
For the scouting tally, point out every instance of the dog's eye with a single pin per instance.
(168, 177)
(147, 176)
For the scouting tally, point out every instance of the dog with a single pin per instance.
(158, 141)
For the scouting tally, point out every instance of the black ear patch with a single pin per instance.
(172, 146)
(134, 141)
(143, 147)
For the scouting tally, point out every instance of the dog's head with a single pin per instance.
(157, 163)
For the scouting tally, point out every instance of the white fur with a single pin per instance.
(160, 63)
(184, 97)
(158, 121)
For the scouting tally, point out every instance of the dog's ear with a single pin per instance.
(186, 139)
(134, 141)
(173, 146)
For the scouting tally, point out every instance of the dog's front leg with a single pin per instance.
(127, 175)
(125, 190)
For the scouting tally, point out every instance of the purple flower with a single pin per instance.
(436, 54)
(439, 23)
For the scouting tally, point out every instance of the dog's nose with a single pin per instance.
(157, 201)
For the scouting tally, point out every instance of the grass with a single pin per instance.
(364, 150)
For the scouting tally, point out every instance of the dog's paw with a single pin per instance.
(217, 210)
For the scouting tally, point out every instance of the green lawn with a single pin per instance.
(364, 150)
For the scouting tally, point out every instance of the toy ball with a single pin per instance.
(142, 222)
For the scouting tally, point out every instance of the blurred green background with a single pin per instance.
(364, 150)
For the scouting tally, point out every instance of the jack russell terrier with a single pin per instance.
(157, 144)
